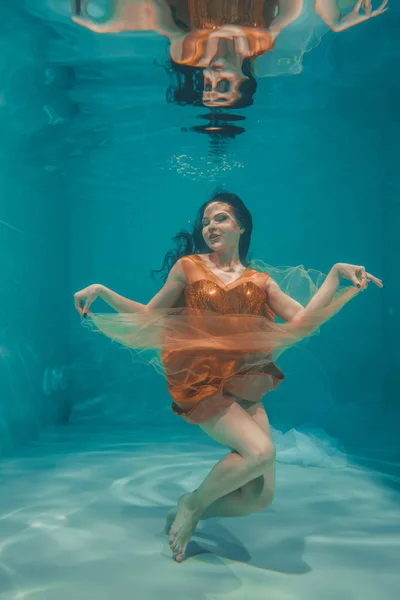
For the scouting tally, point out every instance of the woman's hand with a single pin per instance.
(355, 17)
(330, 12)
(85, 298)
(358, 275)
(367, 6)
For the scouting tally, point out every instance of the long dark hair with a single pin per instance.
(193, 243)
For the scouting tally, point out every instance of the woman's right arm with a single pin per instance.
(165, 298)
(170, 293)
(128, 15)
(122, 15)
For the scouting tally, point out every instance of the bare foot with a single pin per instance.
(170, 518)
(183, 526)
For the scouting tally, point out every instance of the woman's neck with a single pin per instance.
(228, 259)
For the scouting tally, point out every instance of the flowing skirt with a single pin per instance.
(209, 359)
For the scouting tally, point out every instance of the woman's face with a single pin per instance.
(220, 228)
(223, 71)
(222, 84)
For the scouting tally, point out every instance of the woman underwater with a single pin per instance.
(213, 324)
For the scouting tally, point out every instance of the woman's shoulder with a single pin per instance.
(260, 277)
(257, 267)
(187, 259)
(186, 264)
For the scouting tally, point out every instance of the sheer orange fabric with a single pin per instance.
(220, 341)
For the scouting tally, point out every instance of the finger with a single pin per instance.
(359, 275)
(86, 307)
(381, 9)
(358, 5)
(355, 281)
(367, 7)
(78, 306)
(374, 279)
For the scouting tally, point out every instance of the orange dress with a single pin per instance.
(204, 382)
(209, 14)
(217, 344)
(202, 17)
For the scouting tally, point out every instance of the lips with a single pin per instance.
(213, 237)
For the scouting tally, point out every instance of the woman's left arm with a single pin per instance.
(329, 11)
(289, 309)
(285, 307)
(288, 11)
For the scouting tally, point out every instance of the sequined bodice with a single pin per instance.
(245, 298)
(241, 297)
(216, 13)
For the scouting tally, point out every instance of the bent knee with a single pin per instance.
(265, 454)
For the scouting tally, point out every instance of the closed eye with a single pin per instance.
(219, 217)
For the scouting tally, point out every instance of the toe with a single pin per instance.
(169, 520)
(179, 558)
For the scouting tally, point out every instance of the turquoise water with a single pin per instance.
(97, 173)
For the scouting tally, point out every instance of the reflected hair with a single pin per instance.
(186, 243)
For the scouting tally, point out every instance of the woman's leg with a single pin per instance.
(252, 497)
(262, 489)
(256, 495)
(254, 453)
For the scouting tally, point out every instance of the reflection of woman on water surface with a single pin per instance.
(213, 44)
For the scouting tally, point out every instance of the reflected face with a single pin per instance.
(222, 84)
(220, 228)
